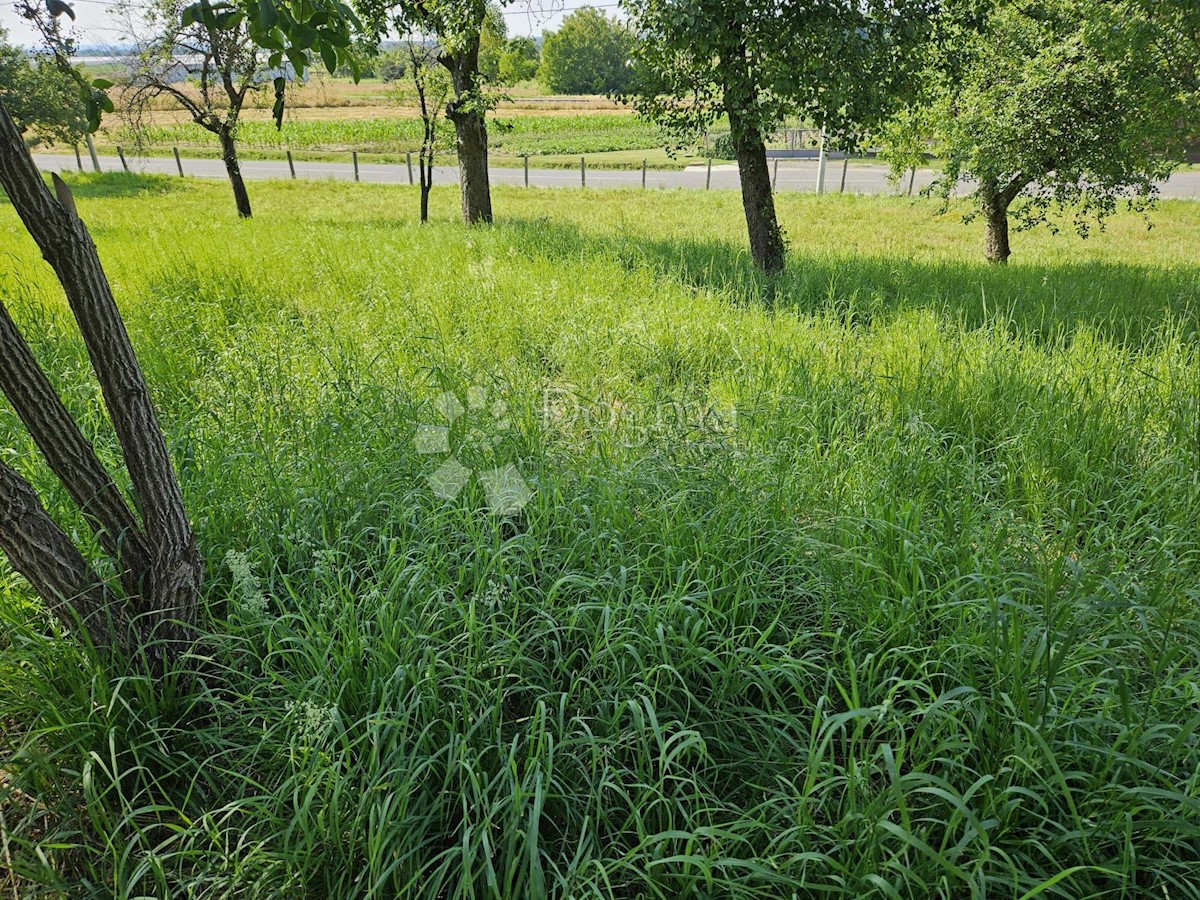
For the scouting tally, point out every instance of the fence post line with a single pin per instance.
(91, 145)
(708, 175)
(121, 155)
(845, 166)
(912, 177)
(291, 164)
(775, 175)
(178, 161)
(354, 156)
(78, 159)
(408, 157)
(582, 172)
(643, 174)
(526, 155)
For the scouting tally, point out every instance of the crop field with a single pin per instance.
(536, 135)
(877, 580)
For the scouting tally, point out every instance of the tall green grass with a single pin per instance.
(878, 581)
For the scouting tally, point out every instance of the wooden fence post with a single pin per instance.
(775, 175)
(291, 164)
(582, 172)
(354, 156)
(912, 178)
(643, 174)
(708, 175)
(178, 161)
(408, 156)
(78, 159)
(845, 167)
(526, 155)
(121, 156)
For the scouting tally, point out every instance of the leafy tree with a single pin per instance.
(225, 67)
(459, 26)
(392, 65)
(840, 64)
(519, 61)
(492, 42)
(43, 101)
(1175, 41)
(1048, 106)
(432, 85)
(589, 54)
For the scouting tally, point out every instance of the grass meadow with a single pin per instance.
(879, 581)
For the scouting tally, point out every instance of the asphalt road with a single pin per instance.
(793, 175)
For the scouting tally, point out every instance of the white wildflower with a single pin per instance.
(247, 591)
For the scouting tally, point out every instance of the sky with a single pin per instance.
(95, 23)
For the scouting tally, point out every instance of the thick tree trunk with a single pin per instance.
(995, 199)
(470, 129)
(995, 220)
(234, 170)
(169, 582)
(766, 238)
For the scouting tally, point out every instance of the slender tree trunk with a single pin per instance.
(41, 552)
(470, 129)
(69, 454)
(234, 170)
(426, 187)
(169, 580)
(766, 238)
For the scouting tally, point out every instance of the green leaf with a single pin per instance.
(268, 18)
(329, 56)
(102, 84)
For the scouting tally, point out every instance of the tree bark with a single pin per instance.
(758, 201)
(995, 220)
(995, 200)
(169, 583)
(41, 552)
(69, 454)
(470, 128)
(234, 170)
(426, 187)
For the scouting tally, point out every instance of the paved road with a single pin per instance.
(793, 175)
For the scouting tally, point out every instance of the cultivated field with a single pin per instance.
(880, 579)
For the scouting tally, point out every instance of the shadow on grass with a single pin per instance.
(112, 185)
(1125, 303)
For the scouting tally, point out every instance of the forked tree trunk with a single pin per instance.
(234, 170)
(758, 201)
(995, 200)
(161, 566)
(470, 130)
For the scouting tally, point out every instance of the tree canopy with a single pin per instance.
(1045, 105)
(589, 54)
(519, 61)
(839, 64)
(44, 102)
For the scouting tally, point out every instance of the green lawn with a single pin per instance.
(879, 580)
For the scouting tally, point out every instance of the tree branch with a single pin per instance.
(68, 453)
